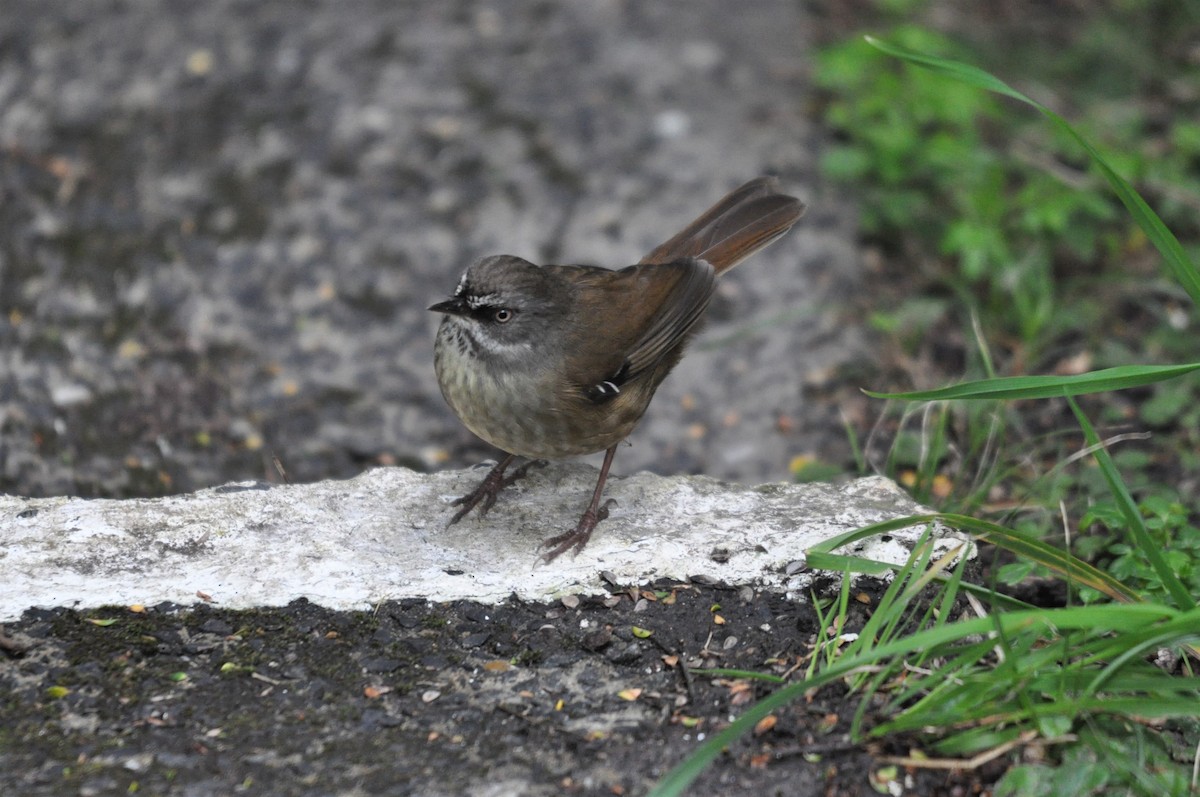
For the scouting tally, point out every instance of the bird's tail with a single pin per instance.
(746, 220)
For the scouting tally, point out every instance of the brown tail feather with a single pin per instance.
(744, 221)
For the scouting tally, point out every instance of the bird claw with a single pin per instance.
(578, 537)
(489, 489)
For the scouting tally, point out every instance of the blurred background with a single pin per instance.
(221, 224)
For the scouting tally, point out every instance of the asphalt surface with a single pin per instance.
(223, 223)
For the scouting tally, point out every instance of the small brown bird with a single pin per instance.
(548, 362)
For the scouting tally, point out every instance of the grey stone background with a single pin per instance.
(221, 223)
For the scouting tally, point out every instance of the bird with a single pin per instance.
(556, 361)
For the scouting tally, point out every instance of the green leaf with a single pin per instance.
(1038, 387)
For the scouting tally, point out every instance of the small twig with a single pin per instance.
(278, 464)
(684, 671)
(974, 762)
(1108, 443)
(801, 660)
(1196, 767)
(816, 748)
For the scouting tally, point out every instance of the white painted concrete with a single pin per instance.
(350, 544)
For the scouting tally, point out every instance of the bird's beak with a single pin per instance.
(455, 305)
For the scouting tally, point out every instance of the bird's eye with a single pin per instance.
(503, 315)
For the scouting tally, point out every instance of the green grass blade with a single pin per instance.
(1132, 515)
(1040, 387)
(749, 675)
(965, 73)
(1163, 239)
(1024, 546)
(1033, 549)
(1051, 622)
(833, 562)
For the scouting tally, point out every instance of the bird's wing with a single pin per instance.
(634, 319)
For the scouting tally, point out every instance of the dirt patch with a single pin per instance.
(419, 698)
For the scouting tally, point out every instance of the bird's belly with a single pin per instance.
(521, 414)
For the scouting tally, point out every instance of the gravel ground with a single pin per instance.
(421, 699)
(223, 223)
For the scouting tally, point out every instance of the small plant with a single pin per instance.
(971, 688)
(917, 150)
(1000, 213)
(1169, 526)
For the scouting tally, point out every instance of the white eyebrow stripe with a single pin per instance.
(483, 301)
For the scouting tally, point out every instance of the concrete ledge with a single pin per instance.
(382, 535)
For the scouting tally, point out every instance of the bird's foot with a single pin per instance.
(490, 487)
(577, 537)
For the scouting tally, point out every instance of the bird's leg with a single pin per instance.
(491, 486)
(579, 536)
(487, 491)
